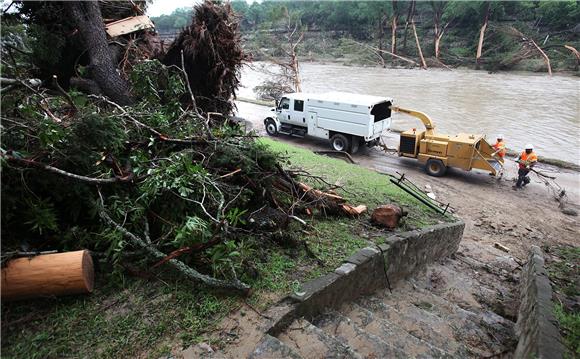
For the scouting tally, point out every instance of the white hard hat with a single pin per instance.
(529, 146)
(500, 136)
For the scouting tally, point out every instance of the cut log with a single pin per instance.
(354, 211)
(387, 216)
(48, 275)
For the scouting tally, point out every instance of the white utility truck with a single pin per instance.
(347, 120)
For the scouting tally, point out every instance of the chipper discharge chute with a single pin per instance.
(439, 152)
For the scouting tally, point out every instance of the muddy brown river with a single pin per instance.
(524, 107)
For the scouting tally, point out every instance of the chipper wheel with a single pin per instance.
(340, 142)
(435, 167)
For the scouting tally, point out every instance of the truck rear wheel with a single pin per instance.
(271, 127)
(435, 167)
(340, 142)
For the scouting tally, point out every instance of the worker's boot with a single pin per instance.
(526, 181)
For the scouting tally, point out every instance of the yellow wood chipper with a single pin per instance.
(439, 152)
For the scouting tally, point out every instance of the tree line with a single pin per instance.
(366, 15)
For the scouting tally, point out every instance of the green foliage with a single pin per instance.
(559, 14)
(41, 216)
(193, 231)
(173, 22)
(569, 323)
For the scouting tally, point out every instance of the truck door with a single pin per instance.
(283, 110)
(312, 123)
(298, 116)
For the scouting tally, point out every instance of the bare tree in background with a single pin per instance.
(394, 28)
(439, 29)
(482, 33)
(287, 78)
(410, 14)
(419, 50)
(382, 23)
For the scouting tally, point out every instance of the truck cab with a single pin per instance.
(290, 110)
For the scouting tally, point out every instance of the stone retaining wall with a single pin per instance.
(536, 328)
(367, 271)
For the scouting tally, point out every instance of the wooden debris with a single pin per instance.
(501, 247)
(320, 194)
(129, 25)
(354, 211)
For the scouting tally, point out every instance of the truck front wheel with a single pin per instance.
(271, 127)
(435, 167)
(340, 142)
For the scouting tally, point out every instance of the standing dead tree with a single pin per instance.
(411, 17)
(410, 13)
(482, 34)
(381, 35)
(286, 78)
(291, 67)
(439, 29)
(394, 28)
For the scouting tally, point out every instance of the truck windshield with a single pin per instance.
(284, 104)
(381, 111)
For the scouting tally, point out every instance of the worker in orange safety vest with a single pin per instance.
(526, 160)
(499, 147)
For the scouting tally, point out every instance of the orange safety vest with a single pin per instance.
(500, 146)
(527, 159)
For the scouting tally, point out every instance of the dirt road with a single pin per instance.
(492, 210)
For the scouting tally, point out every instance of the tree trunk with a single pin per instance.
(88, 19)
(382, 37)
(576, 53)
(394, 29)
(546, 58)
(423, 63)
(394, 36)
(437, 40)
(481, 36)
(410, 15)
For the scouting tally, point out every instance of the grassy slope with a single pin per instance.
(563, 266)
(133, 316)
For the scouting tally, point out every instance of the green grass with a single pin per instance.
(147, 318)
(115, 321)
(569, 323)
(362, 186)
(564, 273)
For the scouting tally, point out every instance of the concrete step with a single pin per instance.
(416, 321)
(366, 344)
(471, 326)
(270, 347)
(310, 341)
(412, 346)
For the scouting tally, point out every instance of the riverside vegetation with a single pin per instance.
(448, 32)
